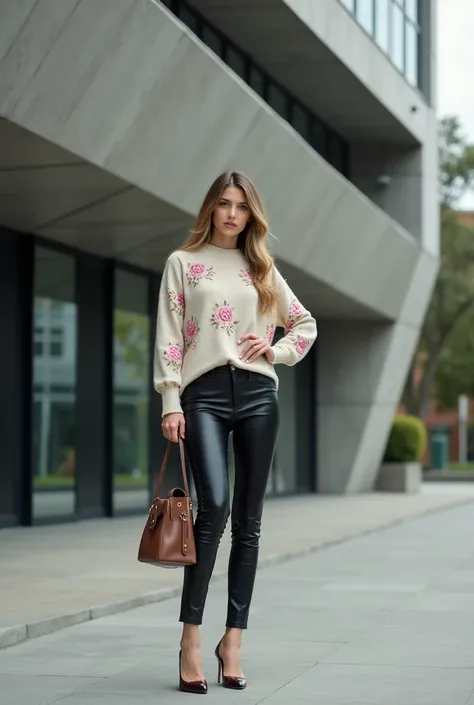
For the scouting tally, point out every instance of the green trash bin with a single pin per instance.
(439, 451)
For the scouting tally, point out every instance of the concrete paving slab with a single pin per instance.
(298, 649)
(57, 576)
(348, 684)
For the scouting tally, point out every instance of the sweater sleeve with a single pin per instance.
(300, 326)
(169, 343)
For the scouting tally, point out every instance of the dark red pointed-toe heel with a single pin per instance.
(232, 682)
(198, 687)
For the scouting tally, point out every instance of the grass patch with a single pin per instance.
(122, 482)
(462, 467)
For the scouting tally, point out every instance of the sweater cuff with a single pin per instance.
(171, 401)
(279, 355)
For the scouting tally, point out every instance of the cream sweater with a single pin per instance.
(207, 302)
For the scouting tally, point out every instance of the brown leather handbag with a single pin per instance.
(168, 538)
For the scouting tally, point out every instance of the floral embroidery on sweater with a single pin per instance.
(173, 356)
(295, 311)
(301, 346)
(246, 276)
(191, 331)
(223, 318)
(197, 271)
(270, 334)
(177, 301)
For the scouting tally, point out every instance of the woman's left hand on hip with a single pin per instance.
(255, 348)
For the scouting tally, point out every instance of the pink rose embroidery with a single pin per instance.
(296, 309)
(270, 334)
(246, 276)
(177, 303)
(190, 334)
(301, 346)
(197, 271)
(173, 356)
(223, 318)
(180, 298)
(295, 312)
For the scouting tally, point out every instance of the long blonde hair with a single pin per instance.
(251, 240)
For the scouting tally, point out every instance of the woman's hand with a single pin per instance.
(173, 426)
(257, 346)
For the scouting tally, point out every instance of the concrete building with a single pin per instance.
(115, 116)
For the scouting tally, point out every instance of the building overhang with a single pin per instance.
(319, 53)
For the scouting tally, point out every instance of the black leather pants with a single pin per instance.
(224, 400)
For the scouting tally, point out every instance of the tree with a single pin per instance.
(131, 332)
(453, 295)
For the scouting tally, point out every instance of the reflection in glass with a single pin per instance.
(411, 54)
(131, 391)
(398, 49)
(284, 470)
(365, 14)
(382, 9)
(54, 384)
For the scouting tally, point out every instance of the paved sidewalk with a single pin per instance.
(55, 576)
(382, 619)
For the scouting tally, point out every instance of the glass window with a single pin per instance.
(277, 99)
(318, 137)
(54, 384)
(284, 468)
(365, 14)
(131, 391)
(213, 40)
(236, 60)
(189, 18)
(382, 10)
(411, 9)
(411, 54)
(398, 27)
(336, 153)
(350, 4)
(257, 81)
(301, 121)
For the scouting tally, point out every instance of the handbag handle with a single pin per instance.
(161, 474)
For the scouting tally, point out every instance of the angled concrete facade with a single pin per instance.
(115, 117)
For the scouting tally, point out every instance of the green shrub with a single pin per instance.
(407, 440)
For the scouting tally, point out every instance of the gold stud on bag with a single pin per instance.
(168, 538)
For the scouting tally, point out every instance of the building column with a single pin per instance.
(16, 363)
(94, 295)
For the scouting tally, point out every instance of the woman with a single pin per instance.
(221, 299)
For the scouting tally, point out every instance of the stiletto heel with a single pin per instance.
(198, 687)
(232, 682)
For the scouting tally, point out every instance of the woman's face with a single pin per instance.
(231, 214)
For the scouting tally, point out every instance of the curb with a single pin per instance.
(16, 634)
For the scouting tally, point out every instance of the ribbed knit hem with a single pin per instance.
(279, 355)
(170, 401)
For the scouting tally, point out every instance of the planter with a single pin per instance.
(399, 477)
